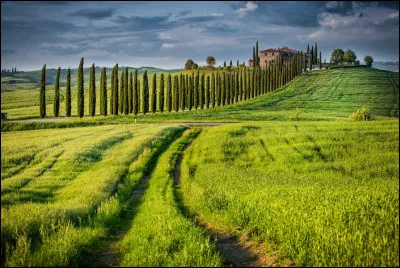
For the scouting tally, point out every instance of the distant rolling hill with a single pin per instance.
(388, 66)
(31, 79)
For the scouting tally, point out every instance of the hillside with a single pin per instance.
(320, 95)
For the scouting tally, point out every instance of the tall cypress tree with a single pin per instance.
(92, 92)
(224, 63)
(201, 90)
(68, 94)
(212, 90)
(153, 101)
(207, 93)
(175, 94)
(187, 92)
(190, 91)
(135, 93)
(315, 56)
(254, 57)
(237, 63)
(217, 90)
(168, 100)
(42, 99)
(145, 94)
(257, 62)
(126, 92)
(122, 93)
(103, 92)
(240, 86)
(312, 57)
(81, 104)
(130, 95)
(115, 91)
(161, 94)
(182, 94)
(56, 104)
(196, 90)
(320, 60)
(112, 92)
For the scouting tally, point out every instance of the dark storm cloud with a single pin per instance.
(94, 14)
(7, 52)
(183, 13)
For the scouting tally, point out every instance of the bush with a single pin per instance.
(362, 115)
(295, 116)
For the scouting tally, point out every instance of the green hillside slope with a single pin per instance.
(320, 95)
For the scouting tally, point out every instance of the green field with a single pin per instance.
(292, 176)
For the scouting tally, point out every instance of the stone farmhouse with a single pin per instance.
(269, 56)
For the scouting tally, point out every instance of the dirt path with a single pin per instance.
(236, 250)
(108, 254)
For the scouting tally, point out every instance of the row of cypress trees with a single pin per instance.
(176, 92)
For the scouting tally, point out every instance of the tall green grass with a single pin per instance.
(325, 193)
(60, 201)
(160, 235)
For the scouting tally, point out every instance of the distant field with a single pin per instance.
(320, 95)
(322, 193)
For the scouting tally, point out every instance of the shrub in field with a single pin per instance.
(362, 114)
(296, 115)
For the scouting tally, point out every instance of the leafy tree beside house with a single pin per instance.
(337, 56)
(368, 60)
(210, 60)
(349, 56)
(189, 64)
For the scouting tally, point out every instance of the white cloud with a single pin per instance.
(216, 14)
(164, 36)
(167, 45)
(250, 6)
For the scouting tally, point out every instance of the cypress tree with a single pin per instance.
(115, 90)
(92, 92)
(320, 60)
(217, 90)
(56, 104)
(315, 56)
(305, 62)
(42, 99)
(224, 63)
(126, 92)
(257, 62)
(212, 90)
(236, 84)
(196, 90)
(207, 92)
(312, 58)
(153, 101)
(122, 93)
(175, 95)
(135, 93)
(254, 57)
(237, 63)
(145, 94)
(81, 104)
(68, 94)
(230, 64)
(222, 88)
(168, 94)
(189, 95)
(183, 93)
(187, 92)
(240, 86)
(202, 92)
(161, 94)
(231, 87)
(130, 95)
(112, 92)
(103, 92)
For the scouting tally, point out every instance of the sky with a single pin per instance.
(166, 34)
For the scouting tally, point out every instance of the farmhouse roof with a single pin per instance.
(284, 49)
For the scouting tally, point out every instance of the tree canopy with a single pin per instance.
(210, 60)
(188, 65)
(368, 60)
(349, 56)
(337, 56)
